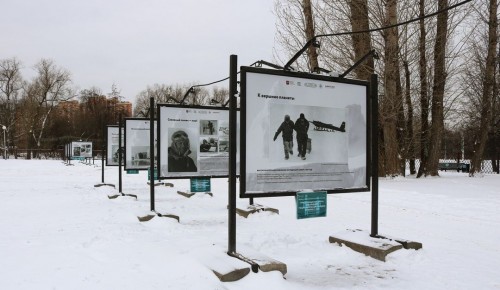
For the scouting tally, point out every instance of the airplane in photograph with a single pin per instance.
(320, 126)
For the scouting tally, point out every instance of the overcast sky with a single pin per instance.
(135, 43)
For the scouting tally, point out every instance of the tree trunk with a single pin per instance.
(312, 54)
(409, 138)
(390, 103)
(487, 95)
(361, 42)
(439, 82)
(424, 97)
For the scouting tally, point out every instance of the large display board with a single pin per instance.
(193, 141)
(137, 147)
(302, 132)
(112, 143)
(80, 149)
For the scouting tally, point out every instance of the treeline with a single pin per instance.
(47, 112)
(439, 73)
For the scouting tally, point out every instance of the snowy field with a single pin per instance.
(60, 232)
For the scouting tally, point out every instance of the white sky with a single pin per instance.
(135, 43)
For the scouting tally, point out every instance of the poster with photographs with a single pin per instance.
(194, 141)
(81, 149)
(112, 144)
(302, 134)
(137, 147)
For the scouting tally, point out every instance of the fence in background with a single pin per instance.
(487, 166)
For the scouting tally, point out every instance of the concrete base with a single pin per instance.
(261, 261)
(168, 215)
(146, 218)
(360, 241)
(189, 194)
(104, 184)
(407, 244)
(123, 194)
(254, 209)
(162, 183)
(225, 267)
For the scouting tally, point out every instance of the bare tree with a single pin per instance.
(361, 42)
(11, 83)
(312, 54)
(391, 111)
(424, 95)
(438, 90)
(486, 105)
(50, 86)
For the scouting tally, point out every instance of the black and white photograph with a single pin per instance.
(224, 128)
(76, 151)
(140, 156)
(302, 134)
(208, 127)
(223, 144)
(307, 133)
(114, 153)
(182, 153)
(209, 144)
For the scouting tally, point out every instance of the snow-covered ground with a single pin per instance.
(60, 232)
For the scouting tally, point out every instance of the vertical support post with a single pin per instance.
(120, 153)
(152, 152)
(374, 152)
(69, 152)
(233, 75)
(104, 141)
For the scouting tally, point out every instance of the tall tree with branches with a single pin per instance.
(486, 106)
(50, 86)
(11, 84)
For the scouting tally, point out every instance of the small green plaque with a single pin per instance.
(311, 204)
(201, 184)
(155, 176)
(132, 171)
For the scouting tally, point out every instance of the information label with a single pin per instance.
(155, 176)
(201, 184)
(311, 204)
(132, 171)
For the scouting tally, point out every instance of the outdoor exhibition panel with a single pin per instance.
(302, 132)
(193, 141)
(80, 149)
(112, 144)
(137, 147)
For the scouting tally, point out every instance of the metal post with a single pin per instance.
(120, 152)
(152, 152)
(233, 75)
(69, 152)
(103, 152)
(4, 143)
(374, 152)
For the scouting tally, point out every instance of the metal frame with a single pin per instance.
(305, 76)
(158, 128)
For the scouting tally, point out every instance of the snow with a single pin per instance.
(61, 232)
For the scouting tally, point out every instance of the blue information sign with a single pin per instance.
(311, 204)
(201, 184)
(132, 171)
(155, 176)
